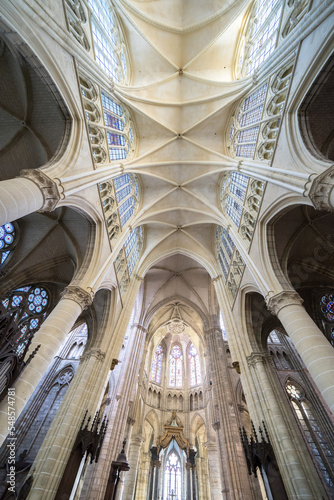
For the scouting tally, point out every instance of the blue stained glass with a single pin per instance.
(109, 104)
(4, 256)
(111, 121)
(7, 237)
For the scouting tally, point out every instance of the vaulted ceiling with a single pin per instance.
(181, 96)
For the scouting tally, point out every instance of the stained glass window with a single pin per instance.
(132, 246)
(261, 35)
(312, 432)
(107, 36)
(327, 306)
(173, 482)
(195, 367)
(119, 130)
(28, 305)
(225, 247)
(175, 367)
(234, 188)
(7, 241)
(244, 131)
(157, 365)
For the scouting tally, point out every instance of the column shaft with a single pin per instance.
(312, 346)
(50, 336)
(19, 197)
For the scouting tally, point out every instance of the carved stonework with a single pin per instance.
(321, 188)
(79, 295)
(113, 363)
(94, 353)
(176, 327)
(255, 357)
(283, 299)
(236, 366)
(47, 186)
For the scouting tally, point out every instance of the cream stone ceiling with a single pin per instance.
(181, 96)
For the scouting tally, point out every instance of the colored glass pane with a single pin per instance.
(175, 367)
(172, 479)
(327, 306)
(195, 369)
(157, 365)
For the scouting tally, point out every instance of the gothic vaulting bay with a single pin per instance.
(166, 250)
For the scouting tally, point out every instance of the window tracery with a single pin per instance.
(8, 241)
(297, 9)
(110, 51)
(173, 475)
(313, 434)
(128, 257)
(156, 366)
(327, 306)
(109, 124)
(194, 365)
(77, 18)
(175, 367)
(256, 122)
(260, 37)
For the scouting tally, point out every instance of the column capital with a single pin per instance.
(93, 353)
(256, 357)
(79, 295)
(283, 299)
(49, 188)
(321, 188)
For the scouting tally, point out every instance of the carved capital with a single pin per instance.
(283, 299)
(216, 425)
(320, 190)
(79, 295)
(48, 187)
(255, 358)
(217, 278)
(94, 353)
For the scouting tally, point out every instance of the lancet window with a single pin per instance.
(194, 366)
(156, 367)
(230, 260)
(256, 121)
(127, 258)
(313, 434)
(175, 367)
(109, 47)
(109, 124)
(234, 188)
(260, 37)
(119, 198)
(7, 241)
(173, 476)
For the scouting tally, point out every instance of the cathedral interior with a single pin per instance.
(166, 250)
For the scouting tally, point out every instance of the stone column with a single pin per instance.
(234, 476)
(298, 474)
(214, 473)
(83, 394)
(143, 477)
(50, 336)
(131, 476)
(312, 346)
(30, 192)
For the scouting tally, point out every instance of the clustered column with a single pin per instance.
(295, 465)
(191, 476)
(154, 474)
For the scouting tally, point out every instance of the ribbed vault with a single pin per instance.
(181, 96)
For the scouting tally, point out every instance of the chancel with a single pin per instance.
(167, 250)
